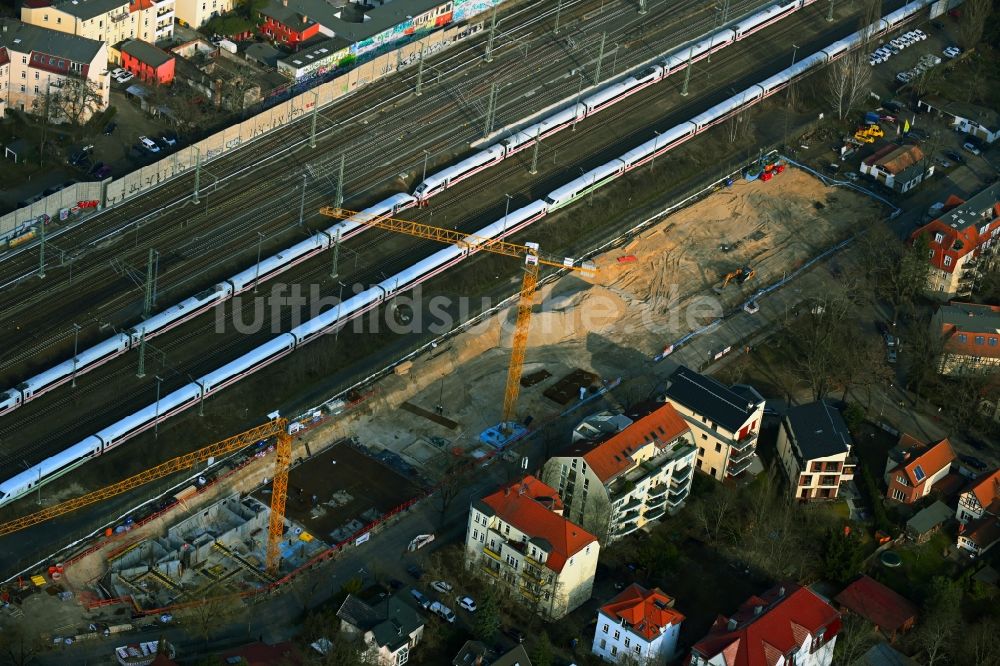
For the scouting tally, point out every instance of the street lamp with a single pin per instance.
(505, 212)
(256, 277)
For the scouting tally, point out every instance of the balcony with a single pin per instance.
(745, 442)
(654, 515)
(118, 18)
(658, 490)
(652, 504)
(681, 476)
(626, 528)
(735, 468)
(740, 456)
(633, 503)
(491, 553)
(167, 15)
(675, 499)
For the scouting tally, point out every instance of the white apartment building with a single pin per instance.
(814, 447)
(108, 21)
(35, 62)
(638, 624)
(519, 538)
(724, 421)
(618, 484)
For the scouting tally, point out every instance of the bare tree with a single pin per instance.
(712, 512)
(738, 125)
(981, 645)
(856, 636)
(942, 613)
(76, 101)
(209, 615)
(848, 81)
(20, 644)
(973, 21)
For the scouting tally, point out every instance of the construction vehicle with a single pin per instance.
(869, 133)
(533, 261)
(739, 276)
(275, 428)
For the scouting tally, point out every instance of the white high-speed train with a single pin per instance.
(174, 316)
(284, 344)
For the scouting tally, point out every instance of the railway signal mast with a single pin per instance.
(533, 261)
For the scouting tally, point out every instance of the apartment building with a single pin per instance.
(787, 624)
(814, 447)
(519, 538)
(969, 336)
(724, 421)
(196, 13)
(35, 62)
(913, 467)
(108, 21)
(637, 626)
(618, 484)
(962, 241)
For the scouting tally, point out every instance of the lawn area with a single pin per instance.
(921, 563)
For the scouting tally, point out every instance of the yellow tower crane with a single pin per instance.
(533, 261)
(276, 428)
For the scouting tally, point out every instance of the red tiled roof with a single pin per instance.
(960, 238)
(878, 604)
(987, 489)
(613, 456)
(530, 506)
(136, 5)
(787, 616)
(983, 532)
(931, 459)
(647, 612)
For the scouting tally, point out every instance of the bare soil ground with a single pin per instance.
(347, 485)
(612, 324)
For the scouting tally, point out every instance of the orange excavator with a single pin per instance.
(739, 276)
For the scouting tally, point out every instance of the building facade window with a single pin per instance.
(898, 495)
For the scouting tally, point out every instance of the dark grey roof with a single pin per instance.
(470, 652)
(26, 38)
(88, 9)
(146, 53)
(818, 430)
(980, 114)
(264, 53)
(709, 398)
(390, 620)
(975, 212)
(970, 317)
(883, 654)
(302, 13)
(518, 656)
(929, 518)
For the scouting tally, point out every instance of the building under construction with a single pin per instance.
(217, 551)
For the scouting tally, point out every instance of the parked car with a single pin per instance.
(515, 634)
(170, 137)
(161, 142)
(110, 128)
(421, 599)
(890, 355)
(441, 586)
(415, 571)
(852, 176)
(952, 52)
(124, 77)
(468, 603)
(903, 77)
(80, 157)
(116, 72)
(954, 157)
(395, 585)
(100, 171)
(892, 106)
(971, 147)
(973, 462)
(443, 611)
(148, 144)
(945, 164)
(918, 133)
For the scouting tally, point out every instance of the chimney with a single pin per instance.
(284, 3)
(906, 455)
(757, 610)
(305, 18)
(731, 625)
(479, 660)
(781, 591)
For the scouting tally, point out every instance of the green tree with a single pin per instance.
(842, 556)
(854, 416)
(487, 618)
(541, 653)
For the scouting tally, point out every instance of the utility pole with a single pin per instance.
(725, 10)
(490, 110)
(340, 180)
(147, 305)
(829, 15)
(197, 173)
(579, 91)
(493, 30)
(642, 7)
(600, 57)
(653, 161)
(256, 277)
(506, 211)
(534, 157)
(420, 74)
(614, 63)
(76, 342)
(788, 95)
(336, 256)
(555, 30)
(687, 73)
(142, 355)
(312, 122)
(41, 249)
(427, 156)
(201, 399)
(302, 202)
(156, 415)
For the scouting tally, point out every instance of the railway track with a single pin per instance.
(99, 290)
(186, 340)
